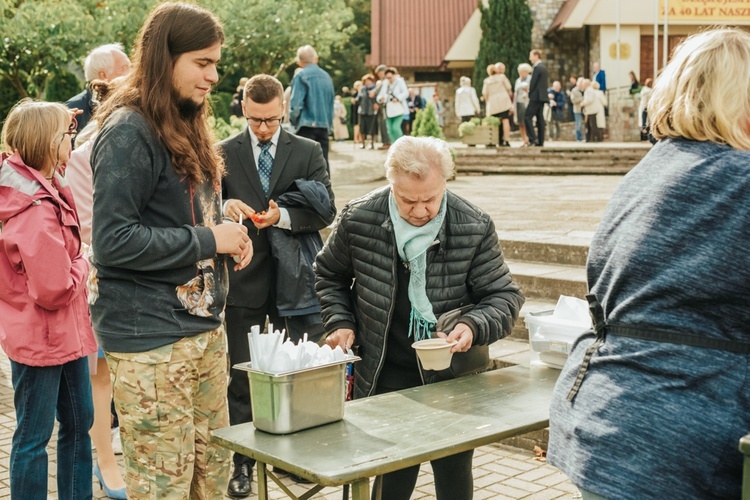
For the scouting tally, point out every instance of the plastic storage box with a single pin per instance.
(551, 339)
(297, 400)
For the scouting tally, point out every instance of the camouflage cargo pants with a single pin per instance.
(168, 401)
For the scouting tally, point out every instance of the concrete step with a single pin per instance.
(548, 153)
(545, 170)
(548, 160)
(561, 251)
(554, 250)
(548, 281)
(550, 150)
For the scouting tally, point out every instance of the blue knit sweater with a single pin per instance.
(652, 419)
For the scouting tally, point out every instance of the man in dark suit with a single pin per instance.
(537, 99)
(105, 63)
(263, 162)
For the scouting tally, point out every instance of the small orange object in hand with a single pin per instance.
(258, 217)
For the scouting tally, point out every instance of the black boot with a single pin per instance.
(241, 484)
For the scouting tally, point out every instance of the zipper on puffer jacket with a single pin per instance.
(390, 316)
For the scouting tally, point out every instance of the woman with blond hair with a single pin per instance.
(653, 401)
(45, 328)
(498, 97)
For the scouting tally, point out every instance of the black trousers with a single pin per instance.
(453, 475)
(319, 135)
(535, 109)
(593, 132)
(238, 322)
(382, 128)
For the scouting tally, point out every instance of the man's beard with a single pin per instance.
(189, 109)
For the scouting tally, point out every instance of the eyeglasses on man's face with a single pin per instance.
(268, 122)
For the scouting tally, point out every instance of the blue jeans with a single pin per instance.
(40, 392)
(579, 126)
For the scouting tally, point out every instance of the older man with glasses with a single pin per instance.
(277, 184)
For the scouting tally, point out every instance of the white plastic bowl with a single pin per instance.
(435, 354)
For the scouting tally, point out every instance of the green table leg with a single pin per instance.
(361, 489)
(262, 481)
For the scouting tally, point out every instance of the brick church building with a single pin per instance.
(434, 42)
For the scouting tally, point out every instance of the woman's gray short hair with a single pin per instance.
(525, 67)
(416, 156)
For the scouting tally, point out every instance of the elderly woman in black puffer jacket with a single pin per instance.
(414, 251)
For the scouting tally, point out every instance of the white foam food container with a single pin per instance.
(551, 339)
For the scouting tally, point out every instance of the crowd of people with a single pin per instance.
(383, 108)
(530, 104)
(137, 252)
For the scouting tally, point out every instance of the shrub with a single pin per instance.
(417, 125)
(62, 86)
(224, 129)
(221, 103)
(426, 123)
(466, 128)
(9, 96)
(492, 121)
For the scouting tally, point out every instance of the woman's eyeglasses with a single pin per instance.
(72, 132)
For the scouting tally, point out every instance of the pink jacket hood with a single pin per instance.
(44, 316)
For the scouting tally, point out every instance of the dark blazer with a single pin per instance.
(296, 158)
(538, 84)
(82, 101)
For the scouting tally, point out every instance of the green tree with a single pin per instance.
(41, 38)
(61, 87)
(506, 37)
(347, 61)
(426, 123)
(262, 36)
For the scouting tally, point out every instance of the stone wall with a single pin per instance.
(564, 52)
(447, 93)
(623, 122)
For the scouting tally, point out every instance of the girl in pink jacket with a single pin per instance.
(45, 327)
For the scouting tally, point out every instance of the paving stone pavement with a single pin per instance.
(552, 207)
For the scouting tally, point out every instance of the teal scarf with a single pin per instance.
(412, 243)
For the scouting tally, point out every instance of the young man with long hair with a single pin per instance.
(159, 282)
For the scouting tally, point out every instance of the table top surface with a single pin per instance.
(391, 431)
